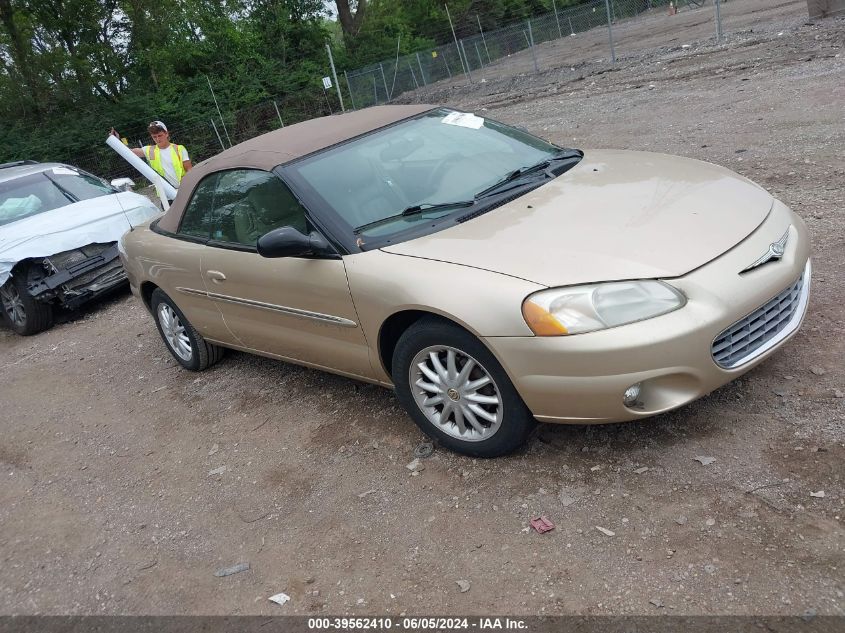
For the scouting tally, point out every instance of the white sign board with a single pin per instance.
(327, 83)
(463, 119)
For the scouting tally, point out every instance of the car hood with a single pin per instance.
(615, 215)
(98, 220)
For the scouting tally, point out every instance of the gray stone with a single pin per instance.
(231, 571)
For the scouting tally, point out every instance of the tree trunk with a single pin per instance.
(349, 22)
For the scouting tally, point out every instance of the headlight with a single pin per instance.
(579, 309)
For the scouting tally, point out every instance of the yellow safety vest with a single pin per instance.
(155, 160)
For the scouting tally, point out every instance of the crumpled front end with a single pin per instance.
(77, 275)
(77, 226)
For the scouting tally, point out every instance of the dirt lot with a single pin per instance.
(108, 504)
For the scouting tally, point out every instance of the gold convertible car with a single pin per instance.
(491, 278)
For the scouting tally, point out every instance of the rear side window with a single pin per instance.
(198, 219)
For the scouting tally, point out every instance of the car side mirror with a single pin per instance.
(123, 184)
(288, 242)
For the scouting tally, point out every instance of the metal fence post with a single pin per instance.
(457, 46)
(278, 114)
(477, 52)
(531, 44)
(610, 32)
(466, 59)
(422, 74)
(384, 79)
(413, 74)
(213, 96)
(375, 91)
(446, 63)
(718, 22)
(480, 30)
(218, 134)
(349, 86)
(329, 105)
(571, 30)
(559, 32)
(334, 74)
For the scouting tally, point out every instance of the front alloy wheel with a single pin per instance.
(13, 305)
(23, 312)
(457, 392)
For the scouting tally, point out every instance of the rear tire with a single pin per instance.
(457, 392)
(23, 313)
(183, 341)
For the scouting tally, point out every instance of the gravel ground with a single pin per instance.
(128, 482)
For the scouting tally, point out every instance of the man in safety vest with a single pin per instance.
(167, 159)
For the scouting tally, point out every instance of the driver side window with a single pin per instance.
(250, 203)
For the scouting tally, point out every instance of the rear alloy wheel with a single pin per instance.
(184, 342)
(457, 392)
(24, 314)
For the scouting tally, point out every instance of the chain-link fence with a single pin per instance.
(470, 56)
(606, 28)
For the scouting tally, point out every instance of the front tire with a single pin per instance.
(457, 392)
(183, 341)
(21, 311)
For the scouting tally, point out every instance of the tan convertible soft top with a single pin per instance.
(280, 146)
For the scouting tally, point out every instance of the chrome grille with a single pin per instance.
(739, 342)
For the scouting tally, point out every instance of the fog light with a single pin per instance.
(632, 393)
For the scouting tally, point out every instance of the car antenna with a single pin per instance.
(120, 203)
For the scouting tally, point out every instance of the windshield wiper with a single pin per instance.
(66, 193)
(507, 182)
(416, 209)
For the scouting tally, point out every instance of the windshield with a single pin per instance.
(47, 190)
(438, 161)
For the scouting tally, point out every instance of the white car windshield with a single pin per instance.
(47, 190)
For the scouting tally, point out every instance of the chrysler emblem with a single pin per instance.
(776, 251)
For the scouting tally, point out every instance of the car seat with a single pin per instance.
(266, 207)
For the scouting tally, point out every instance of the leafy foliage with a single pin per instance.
(71, 69)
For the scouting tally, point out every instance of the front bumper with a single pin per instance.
(582, 378)
(78, 277)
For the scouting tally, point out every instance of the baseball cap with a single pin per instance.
(158, 124)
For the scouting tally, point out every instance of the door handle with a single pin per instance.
(216, 276)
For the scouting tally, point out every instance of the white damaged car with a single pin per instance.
(59, 228)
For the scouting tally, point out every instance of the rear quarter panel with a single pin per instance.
(174, 266)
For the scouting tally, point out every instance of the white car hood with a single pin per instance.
(98, 220)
